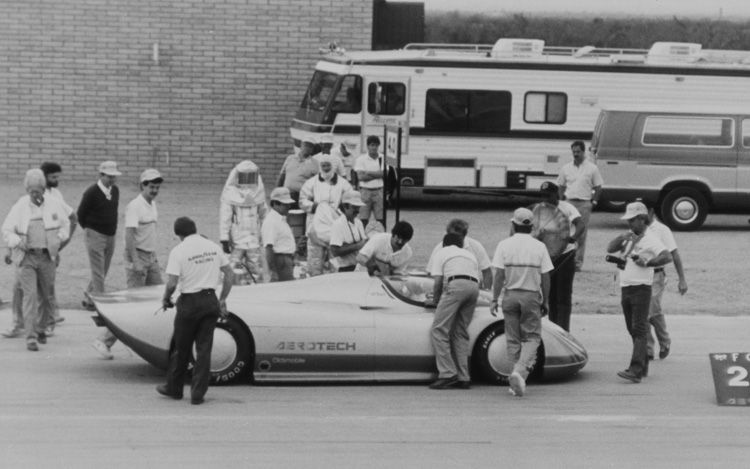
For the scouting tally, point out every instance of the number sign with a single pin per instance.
(731, 378)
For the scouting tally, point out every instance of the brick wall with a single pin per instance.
(78, 81)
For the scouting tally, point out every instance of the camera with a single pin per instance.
(618, 261)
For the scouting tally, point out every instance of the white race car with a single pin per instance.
(337, 327)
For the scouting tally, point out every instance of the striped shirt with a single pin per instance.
(524, 260)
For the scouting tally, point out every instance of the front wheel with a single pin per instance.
(684, 209)
(231, 354)
(491, 361)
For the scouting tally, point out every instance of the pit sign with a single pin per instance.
(731, 378)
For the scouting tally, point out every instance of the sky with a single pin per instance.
(726, 9)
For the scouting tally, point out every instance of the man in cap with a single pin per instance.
(388, 253)
(580, 184)
(35, 229)
(196, 264)
(655, 313)
(455, 292)
(347, 233)
(141, 264)
(522, 265)
(52, 173)
(298, 168)
(461, 228)
(97, 215)
(241, 213)
(320, 197)
(278, 238)
(642, 252)
(559, 226)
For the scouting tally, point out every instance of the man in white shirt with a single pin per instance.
(655, 313)
(388, 253)
(565, 216)
(522, 267)
(52, 172)
(455, 292)
(580, 184)
(369, 169)
(197, 265)
(642, 251)
(461, 228)
(35, 230)
(277, 236)
(347, 233)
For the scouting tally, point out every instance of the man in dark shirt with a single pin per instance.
(97, 215)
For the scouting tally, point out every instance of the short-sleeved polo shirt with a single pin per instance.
(647, 248)
(474, 247)
(524, 260)
(379, 247)
(142, 216)
(344, 232)
(580, 180)
(197, 262)
(453, 260)
(277, 233)
(366, 163)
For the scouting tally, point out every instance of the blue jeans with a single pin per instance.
(635, 304)
(450, 336)
(36, 276)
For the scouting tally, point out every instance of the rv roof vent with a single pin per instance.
(674, 52)
(507, 47)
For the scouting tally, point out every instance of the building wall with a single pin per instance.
(79, 82)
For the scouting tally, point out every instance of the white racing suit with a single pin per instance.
(241, 212)
(324, 193)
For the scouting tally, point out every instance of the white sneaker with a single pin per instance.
(103, 350)
(517, 384)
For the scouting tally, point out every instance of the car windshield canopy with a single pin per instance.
(416, 289)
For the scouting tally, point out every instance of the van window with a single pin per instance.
(392, 99)
(746, 133)
(545, 108)
(468, 111)
(688, 131)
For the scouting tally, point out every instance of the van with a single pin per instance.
(687, 164)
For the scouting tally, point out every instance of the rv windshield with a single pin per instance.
(329, 94)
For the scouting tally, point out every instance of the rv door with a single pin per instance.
(387, 103)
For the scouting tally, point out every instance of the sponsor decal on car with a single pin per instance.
(317, 346)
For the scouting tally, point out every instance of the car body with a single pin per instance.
(337, 327)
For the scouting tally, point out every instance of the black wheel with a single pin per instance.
(231, 354)
(490, 357)
(684, 209)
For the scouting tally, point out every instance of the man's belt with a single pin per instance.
(658, 269)
(462, 277)
(205, 291)
(37, 250)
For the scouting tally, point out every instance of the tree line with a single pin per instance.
(638, 33)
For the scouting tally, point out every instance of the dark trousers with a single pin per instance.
(561, 289)
(635, 303)
(283, 267)
(195, 321)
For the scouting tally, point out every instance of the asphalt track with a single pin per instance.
(64, 407)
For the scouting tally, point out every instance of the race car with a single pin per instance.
(331, 328)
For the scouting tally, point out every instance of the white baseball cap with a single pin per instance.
(109, 168)
(151, 174)
(522, 216)
(634, 209)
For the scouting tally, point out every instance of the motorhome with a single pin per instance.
(686, 162)
(500, 118)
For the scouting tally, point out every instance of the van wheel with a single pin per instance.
(684, 209)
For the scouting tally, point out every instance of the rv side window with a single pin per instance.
(348, 98)
(392, 98)
(746, 133)
(468, 111)
(545, 108)
(688, 131)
